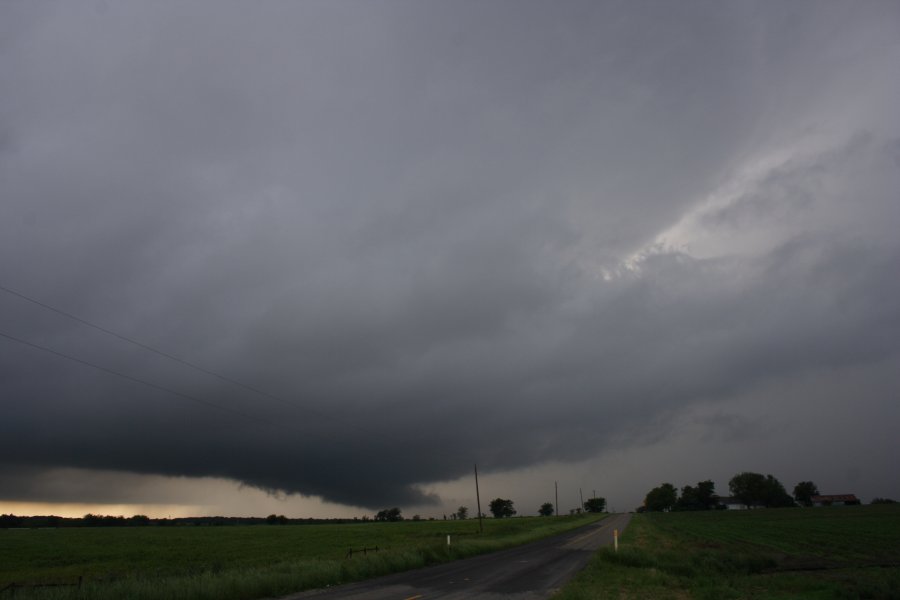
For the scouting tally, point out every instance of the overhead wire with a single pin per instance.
(145, 346)
(158, 352)
(161, 353)
(171, 357)
(124, 375)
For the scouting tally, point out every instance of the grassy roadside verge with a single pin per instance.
(243, 563)
(841, 552)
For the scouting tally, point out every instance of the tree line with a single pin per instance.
(8, 521)
(500, 508)
(748, 488)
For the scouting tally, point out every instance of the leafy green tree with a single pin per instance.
(661, 498)
(462, 513)
(595, 505)
(748, 487)
(702, 497)
(706, 494)
(688, 500)
(389, 514)
(502, 508)
(546, 509)
(754, 489)
(776, 495)
(804, 491)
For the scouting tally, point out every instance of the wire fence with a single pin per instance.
(362, 551)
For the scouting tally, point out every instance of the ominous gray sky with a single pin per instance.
(613, 243)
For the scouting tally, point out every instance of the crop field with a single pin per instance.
(241, 562)
(822, 553)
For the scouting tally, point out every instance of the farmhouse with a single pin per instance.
(835, 500)
(732, 503)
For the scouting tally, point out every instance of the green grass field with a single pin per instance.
(242, 562)
(822, 553)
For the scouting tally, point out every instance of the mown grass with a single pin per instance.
(821, 553)
(242, 562)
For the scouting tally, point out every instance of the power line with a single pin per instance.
(146, 346)
(174, 358)
(162, 353)
(124, 375)
(163, 388)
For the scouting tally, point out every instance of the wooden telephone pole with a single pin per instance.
(556, 492)
(478, 500)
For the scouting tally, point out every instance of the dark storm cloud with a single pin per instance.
(435, 233)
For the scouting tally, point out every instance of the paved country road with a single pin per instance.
(528, 572)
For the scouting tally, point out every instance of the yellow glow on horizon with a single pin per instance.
(73, 510)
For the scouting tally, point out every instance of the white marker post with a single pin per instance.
(616, 539)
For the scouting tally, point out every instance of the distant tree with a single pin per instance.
(595, 505)
(882, 501)
(748, 487)
(754, 489)
(10, 520)
(91, 520)
(276, 520)
(702, 497)
(462, 513)
(502, 508)
(417, 518)
(661, 498)
(776, 495)
(389, 514)
(546, 509)
(141, 520)
(706, 494)
(688, 500)
(804, 491)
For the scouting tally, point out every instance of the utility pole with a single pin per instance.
(580, 495)
(478, 499)
(556, 490)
